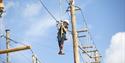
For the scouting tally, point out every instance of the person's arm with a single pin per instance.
(65, 29)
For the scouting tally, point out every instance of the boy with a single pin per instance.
(62, 29)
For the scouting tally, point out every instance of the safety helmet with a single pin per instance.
(67, 21)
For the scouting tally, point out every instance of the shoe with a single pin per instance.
(61, 53)
(65, 39)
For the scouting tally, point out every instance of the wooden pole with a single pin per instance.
(96, 57)
(74, 33)
(7, 44)
(33, 59)
(14, 49)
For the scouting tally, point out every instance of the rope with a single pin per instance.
(85, 52)
(86, 25)
(60, 9)
(88, 29)
(91, 39)
(81, 56)
(48, 10)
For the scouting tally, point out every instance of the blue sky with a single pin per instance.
(31, 24)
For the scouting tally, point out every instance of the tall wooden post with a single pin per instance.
(7, 44)
(74, 33)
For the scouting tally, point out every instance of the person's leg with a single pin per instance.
(59, 44)
(62, 45)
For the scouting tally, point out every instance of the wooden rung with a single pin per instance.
(97, 57)
(90, 51)
(83, 30)
(84, 47)
(81, 36)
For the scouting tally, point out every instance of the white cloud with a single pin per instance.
(9, 5)
(31, 10)
(86, 3)
(116, 51)
(38, 29)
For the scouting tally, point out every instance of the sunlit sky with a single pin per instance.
(29, 23)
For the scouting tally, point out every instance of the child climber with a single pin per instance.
(61, 35)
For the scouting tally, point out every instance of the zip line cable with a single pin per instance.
(48, 10)
(61, 9)
(60, 14)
